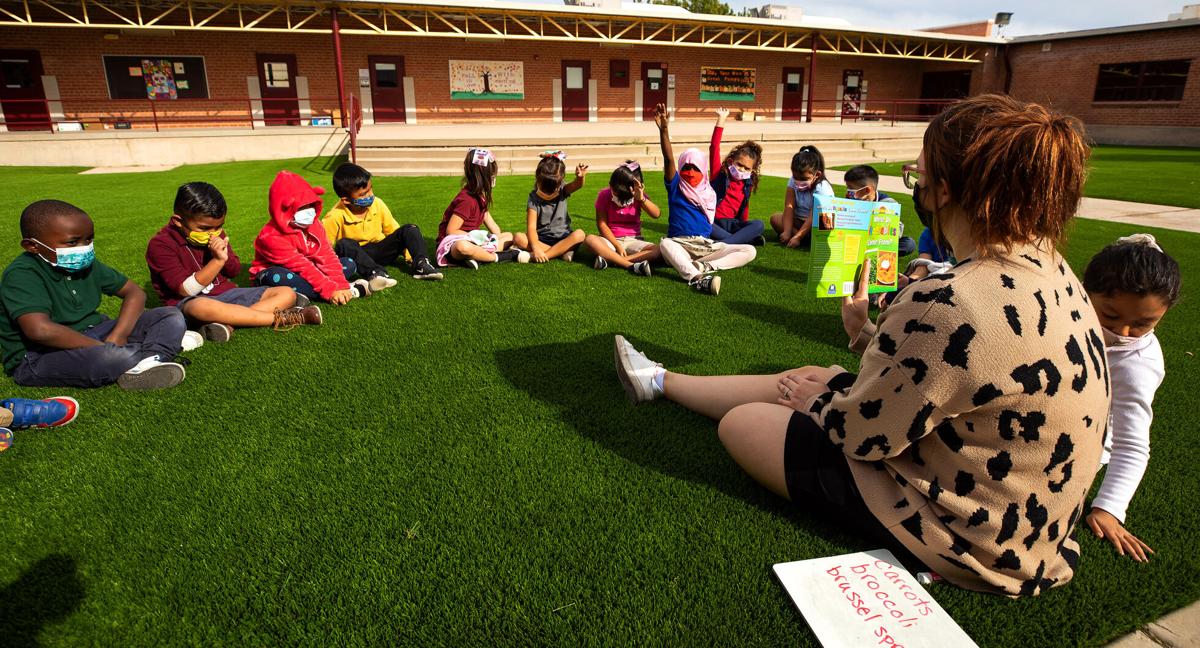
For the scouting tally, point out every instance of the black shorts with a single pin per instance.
(818, 475)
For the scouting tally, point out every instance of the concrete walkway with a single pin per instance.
(1179, 629)
(1164, 216)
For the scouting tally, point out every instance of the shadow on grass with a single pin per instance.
(822, 328)
(48, 592)
(783, 274)
(662, 436)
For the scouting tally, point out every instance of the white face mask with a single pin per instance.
(1113, 340)
(738, 174)
(305, 217)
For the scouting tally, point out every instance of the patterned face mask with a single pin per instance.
(365, 201)
(71, 259)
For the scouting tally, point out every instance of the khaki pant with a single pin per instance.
(692, 261)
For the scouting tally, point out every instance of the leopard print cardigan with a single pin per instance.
(975, 424)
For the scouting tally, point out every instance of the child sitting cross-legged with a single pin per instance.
(460, 239)
(619, 210)
(361, 227)
(50, 331)
(292, 250)
(194, 268)
(548, 223)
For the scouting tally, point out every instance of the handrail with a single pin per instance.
(354, 125)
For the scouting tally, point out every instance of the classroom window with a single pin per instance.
(618, 73)
(163, 77)
(1142, 81)
(15, 73)
(385, 76)
(275, 74)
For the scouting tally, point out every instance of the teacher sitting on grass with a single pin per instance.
(973, 429)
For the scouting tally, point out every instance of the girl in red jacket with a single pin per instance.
(292, 249)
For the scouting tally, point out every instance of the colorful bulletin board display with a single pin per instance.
(845, 232)
(487, 80)
(159, 76)
(726, 84)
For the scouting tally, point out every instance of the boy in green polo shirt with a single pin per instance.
(50, 332)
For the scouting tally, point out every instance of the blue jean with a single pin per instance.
(157, 332)
(281, 276)
(733, 231)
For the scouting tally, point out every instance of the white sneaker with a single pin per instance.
(569, 256)
(636, 372)
(524, 257)
(381, 282)
(191, 340)
(361, 288)
(151, 373)
(600, 263)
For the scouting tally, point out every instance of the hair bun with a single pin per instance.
(1141, 238)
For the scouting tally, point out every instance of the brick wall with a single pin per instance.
(1065, 76)
(74, 57)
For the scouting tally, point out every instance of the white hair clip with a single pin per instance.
(632, 166)
(554, 154)
(1141, 239)
(482, 157)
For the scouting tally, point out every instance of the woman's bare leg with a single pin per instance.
(714, 396)
(754, 435)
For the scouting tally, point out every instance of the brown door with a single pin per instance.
(852, 92)
(793, 93)
(953, 84)
(387, 87)
(654, 88)
(277, 86)
(21, 94)
(575, 90)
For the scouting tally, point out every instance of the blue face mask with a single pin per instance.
(71, 259)
(365, 201)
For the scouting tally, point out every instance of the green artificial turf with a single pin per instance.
(455, 463)
(1158, 176)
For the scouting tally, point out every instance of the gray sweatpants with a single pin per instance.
(157, 332)
(729, 256)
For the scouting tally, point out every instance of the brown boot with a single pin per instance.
(289, 318)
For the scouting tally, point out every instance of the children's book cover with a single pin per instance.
(845, 233)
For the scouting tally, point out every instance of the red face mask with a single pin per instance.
(692, 177)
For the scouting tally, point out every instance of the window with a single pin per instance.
(1143, 81)
(275, 74)
(156, 77)
(385, 76)
(618, 73)
(793, 82)
(16, 73)
(574, 78)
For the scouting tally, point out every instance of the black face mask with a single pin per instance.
(925, 215)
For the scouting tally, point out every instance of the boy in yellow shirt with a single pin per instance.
(361, 227)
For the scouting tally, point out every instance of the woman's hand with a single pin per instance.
(796, 390)
(1106, 527)
(854, 307)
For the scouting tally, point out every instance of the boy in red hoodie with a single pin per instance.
(193, 267)
(292, 249)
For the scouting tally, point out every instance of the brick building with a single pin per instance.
(101, 64)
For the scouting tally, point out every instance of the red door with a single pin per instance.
(575, 90)
(654, 88)
(387, 87)
(793, 93)
(852, 92)
(21, 95)
(277, 86)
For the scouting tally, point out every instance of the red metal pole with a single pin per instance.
(812, 75)
(337, 58)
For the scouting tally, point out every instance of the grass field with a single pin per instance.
(454, 463)
(1159, 176)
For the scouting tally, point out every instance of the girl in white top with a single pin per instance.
(1131, 283)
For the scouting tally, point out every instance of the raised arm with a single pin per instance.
(662, 119)
(581, 171)
(714, 144)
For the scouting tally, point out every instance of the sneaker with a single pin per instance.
(216, 332)
(569, 256)
(302, 300)
(152, 373)
(29, 413)
(758, 241)
(423, 269)
(710, 284)
(191, 340)
(381, 281)
(513, 255)
(287, 319)
(361, 288)
(641, 268)
(471, 264)
(600, 263)
(6, 437)
(636, 372)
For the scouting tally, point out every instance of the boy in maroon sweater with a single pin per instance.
(193, 267)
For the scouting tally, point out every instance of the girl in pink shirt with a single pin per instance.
(619, 220)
